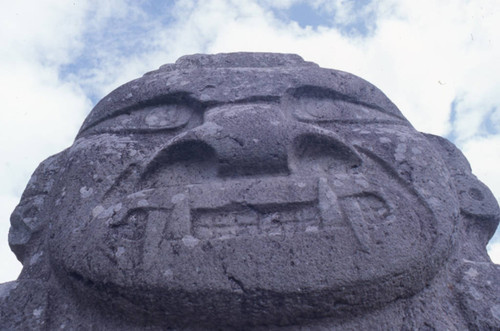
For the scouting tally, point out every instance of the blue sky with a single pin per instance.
(437, 60)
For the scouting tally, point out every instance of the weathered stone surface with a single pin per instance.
(253, 190)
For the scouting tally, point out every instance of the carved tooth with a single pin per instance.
(166, 224)
(311, 229)
(179, 224)
(355, 218)
(203, 232)
(328, 204)
(153, 237)
(247, 218)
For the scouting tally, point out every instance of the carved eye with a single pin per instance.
(149, 119)
(315, 104)
(324, 110)
(166, 117)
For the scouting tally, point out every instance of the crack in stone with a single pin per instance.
(236, 284)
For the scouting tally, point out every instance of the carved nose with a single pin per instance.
(247, 139)
(252, 140)
(242, 140)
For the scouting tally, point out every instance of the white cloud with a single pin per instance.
(483, 154)
(280, 4)
(494, 252)
(43, 30)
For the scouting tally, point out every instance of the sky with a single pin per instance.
(438, 61)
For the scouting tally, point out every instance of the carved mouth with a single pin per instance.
(263, 207)
(256, 221)
(254, 208)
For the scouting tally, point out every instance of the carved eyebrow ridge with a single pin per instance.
(250, 99)
(356, 122)
(179, 98)
(312, 91)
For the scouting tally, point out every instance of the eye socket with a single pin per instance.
(149, 119)
(328, 110)
(169, 117)
(315, 104)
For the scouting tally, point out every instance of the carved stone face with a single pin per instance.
(247, 184)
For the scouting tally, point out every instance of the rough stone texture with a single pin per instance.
(253, 191)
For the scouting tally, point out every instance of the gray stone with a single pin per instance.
(253, 191)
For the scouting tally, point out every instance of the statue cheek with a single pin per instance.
(77, 198)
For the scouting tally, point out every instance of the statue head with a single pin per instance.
(249, 187)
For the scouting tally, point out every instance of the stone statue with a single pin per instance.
(253, 191)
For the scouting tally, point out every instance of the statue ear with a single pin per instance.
(29, 218)
(476, 199)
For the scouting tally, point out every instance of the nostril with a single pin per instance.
(188, 161)
(324, 153)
